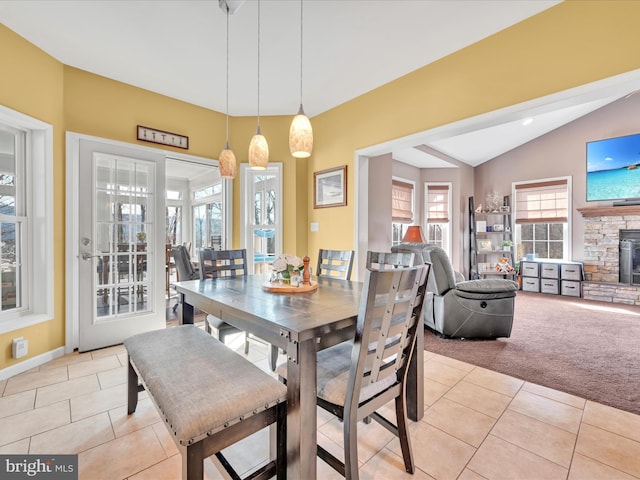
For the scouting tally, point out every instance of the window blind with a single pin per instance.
(401, 201)
(438, 204)
(542, 202)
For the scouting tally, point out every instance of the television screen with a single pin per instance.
(613, 168)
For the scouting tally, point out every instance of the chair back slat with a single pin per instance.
(389, 260)
(335, 263)
(390, 311)
(222, 263)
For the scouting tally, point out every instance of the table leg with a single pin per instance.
(301, 410)
(187, 311)
(415, 378)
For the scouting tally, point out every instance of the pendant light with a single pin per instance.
(227, 159)
(258, 148)
(300, 133)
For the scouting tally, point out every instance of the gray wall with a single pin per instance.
(379, 211)
(561, 152)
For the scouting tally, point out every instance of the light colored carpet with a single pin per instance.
(586, 348)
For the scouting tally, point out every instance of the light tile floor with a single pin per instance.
(478, 425)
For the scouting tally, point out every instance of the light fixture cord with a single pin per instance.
(301, 37)
(227, 100)
(258, 65)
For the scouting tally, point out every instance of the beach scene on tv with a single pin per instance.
(613, 169)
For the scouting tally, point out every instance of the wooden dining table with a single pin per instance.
(301, 324)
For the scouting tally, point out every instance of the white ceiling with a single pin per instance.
(178, 48)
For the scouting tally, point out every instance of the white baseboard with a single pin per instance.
(30, 363)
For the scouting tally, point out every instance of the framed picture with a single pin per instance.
(484, 244)
(330, 187)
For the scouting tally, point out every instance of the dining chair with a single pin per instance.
(358, 377)
(223, 263)
(184, 268)
(335, 263)
(387, 260)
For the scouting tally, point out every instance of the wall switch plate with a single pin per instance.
(20, 347)
(315, 226)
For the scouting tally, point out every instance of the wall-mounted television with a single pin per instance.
(613, 169)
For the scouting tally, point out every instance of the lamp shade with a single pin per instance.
(414, 234)
(227, 163)
(258, 152)
(301, 135)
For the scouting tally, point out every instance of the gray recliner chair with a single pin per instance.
(463, 309)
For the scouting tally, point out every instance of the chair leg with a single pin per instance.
(281, 439)
(273, 358)
(350, 427)
(403, 433)
(246, 343)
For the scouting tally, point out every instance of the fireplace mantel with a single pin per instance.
(619, 211)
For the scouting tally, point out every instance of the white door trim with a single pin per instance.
(72, 252)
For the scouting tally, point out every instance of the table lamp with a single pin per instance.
(414, 234)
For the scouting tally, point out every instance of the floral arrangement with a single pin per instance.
(286, 264)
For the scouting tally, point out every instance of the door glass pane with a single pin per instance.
(124, 236)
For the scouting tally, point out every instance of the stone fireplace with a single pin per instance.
(605, 280)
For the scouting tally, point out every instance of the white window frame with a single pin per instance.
(37, 255)
(246, 207)
(567, 229)
(446, 242)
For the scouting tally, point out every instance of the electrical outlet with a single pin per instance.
(20, 347)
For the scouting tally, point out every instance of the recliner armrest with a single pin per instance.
(490, 285)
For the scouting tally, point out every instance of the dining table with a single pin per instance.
(301, 323)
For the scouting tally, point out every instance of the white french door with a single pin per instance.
(121, 243)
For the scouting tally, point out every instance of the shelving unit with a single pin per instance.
(487, 232)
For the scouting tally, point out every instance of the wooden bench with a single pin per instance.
(209, 396)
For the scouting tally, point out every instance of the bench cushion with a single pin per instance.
(199, 385)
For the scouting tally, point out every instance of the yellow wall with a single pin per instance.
(571, 44)
(31, 83)
(568, 45)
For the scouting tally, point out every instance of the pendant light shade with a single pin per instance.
(258, 151)
(301, 136)
(227, 163)
(227, 159)
(258, 148)
(300, 132)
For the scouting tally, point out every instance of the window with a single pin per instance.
(437, 217)
(261, 205)
(173, 215)
(208, 217)
(398, 231)
(401, 209)
(26, 226)
(542, 218)
(13, 218)
(401, 202)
